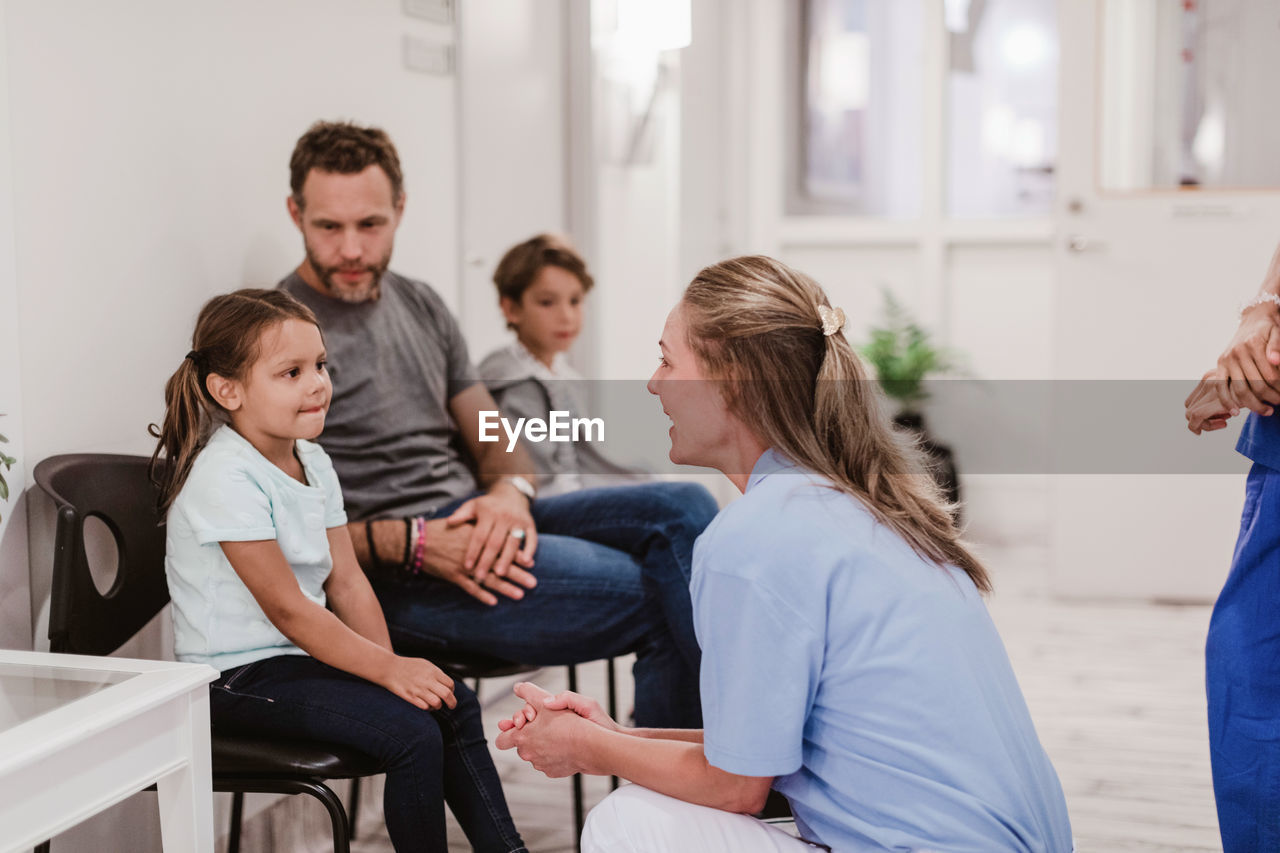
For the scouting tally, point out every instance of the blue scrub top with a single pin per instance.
(1260, 440)
(870, 682)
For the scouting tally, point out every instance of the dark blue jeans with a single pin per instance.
(430, 757)
(613, 569)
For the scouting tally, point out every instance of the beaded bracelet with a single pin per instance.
(420, 544)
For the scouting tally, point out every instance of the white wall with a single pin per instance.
(150, 154)
(511, 73)
(148, 143)
(637, 201)
(15, 601)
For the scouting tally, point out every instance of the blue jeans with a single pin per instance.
(1242, 677)
(613, 569)
(429, 756)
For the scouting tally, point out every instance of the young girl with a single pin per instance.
(266, 588)
(542, 284)
(848, 660)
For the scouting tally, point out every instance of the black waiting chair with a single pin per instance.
(116, 490)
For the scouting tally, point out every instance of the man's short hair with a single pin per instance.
(522, 263)
(344, 148)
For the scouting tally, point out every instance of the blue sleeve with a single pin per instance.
(760, 669)
(1260, 440)
(223, 502)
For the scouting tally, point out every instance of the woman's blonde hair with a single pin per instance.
(756, 323)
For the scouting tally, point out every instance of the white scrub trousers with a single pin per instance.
(634, 819)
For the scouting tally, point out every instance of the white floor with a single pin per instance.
(1117, 693)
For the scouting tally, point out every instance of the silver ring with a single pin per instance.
(517, 533)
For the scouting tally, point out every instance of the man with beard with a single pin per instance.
(460, 552)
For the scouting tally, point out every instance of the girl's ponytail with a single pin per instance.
(186, 422)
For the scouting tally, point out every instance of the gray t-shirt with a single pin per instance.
(395, 363)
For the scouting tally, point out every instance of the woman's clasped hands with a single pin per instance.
(554, 732)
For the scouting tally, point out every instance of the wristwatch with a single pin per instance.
(522, 485)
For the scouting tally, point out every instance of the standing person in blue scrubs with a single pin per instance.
(848, 659)
(1242, 653)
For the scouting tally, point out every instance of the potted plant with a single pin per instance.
(7, 462)
(903, 354)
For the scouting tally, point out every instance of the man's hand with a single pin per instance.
(1211, 403)
(555, 742)
(1250, 361)
(495, 543)
(419, 682)
(445, 556)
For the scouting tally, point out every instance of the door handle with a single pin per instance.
(1079, 244)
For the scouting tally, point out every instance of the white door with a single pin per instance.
(512, 120)
(1149, 279)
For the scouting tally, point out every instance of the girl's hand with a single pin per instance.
(419, 682)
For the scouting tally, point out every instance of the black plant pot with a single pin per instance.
(942, 463)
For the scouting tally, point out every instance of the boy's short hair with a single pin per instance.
(522, 263)
(344, 148)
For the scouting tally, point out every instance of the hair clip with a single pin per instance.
(832, 319)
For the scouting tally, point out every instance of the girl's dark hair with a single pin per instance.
(226, 342)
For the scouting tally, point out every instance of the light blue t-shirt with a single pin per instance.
(233, 494)
(870, 682)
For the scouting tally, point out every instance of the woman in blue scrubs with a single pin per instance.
(848, 659)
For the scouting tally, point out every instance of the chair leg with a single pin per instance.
(353, 809)
(612, 678)
(237, 814)
(341, 831)
(577, 778)
(578, 817)
(271, 785)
